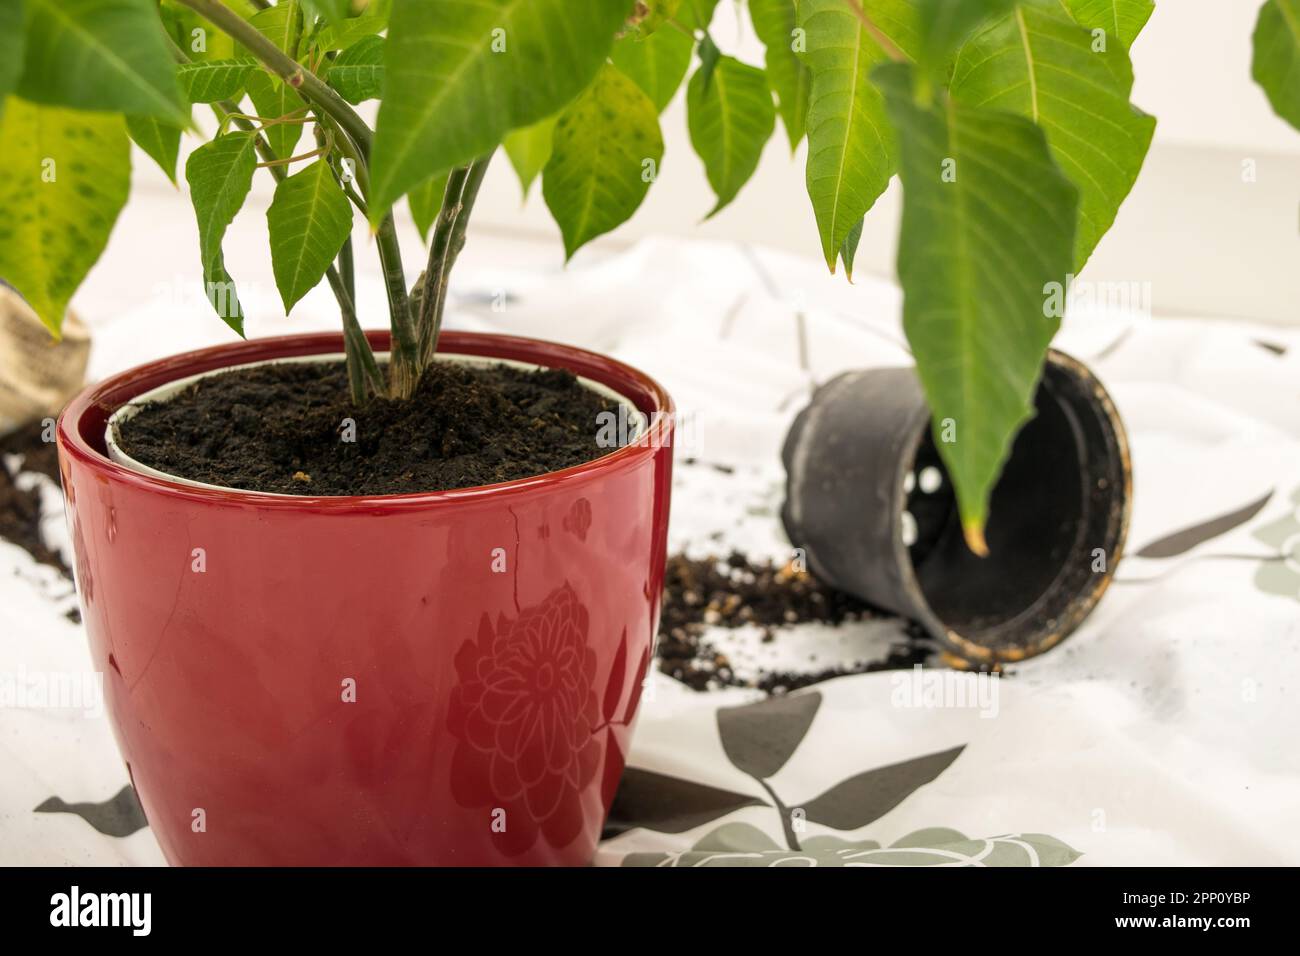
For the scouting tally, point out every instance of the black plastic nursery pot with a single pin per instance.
(869, 501)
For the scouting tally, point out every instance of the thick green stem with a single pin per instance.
(363, 370)
(451, 237)
(404, 369)
(438, 246)
(347, 269)
(286, 67)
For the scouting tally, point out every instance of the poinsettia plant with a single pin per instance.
(1008, 121)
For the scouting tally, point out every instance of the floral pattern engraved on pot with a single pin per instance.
(578, 519)
(525, 714)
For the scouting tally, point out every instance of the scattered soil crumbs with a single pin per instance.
(733, 592)
(20, 511)
(283, 428)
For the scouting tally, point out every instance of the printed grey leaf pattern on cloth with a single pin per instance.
(119, 816)
(760, 739)
(740, 844)
(669, 804)
(1183, 540)
(1282, 577)
(868, 796)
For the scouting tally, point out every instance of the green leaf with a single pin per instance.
(709, 56)
(605, 153)
(462, 75)
(425, 201)
(340, 36)
(282, 25)
(309, 220)
(67, 174)
(273, 98)
(529, 149)
(1039, 64)
(11, 46)
(100, 55)
(988, 222)
(789, 78)
(657, 64)
(162, 141)
(945, 25)
(1276, 62)
(849, 251)
(196, 37)
(333, 12)
(1123, 19)
(208, 81)
(851, 149)
(358, 72)
(657, 13)
(220, 174)
(730, 120)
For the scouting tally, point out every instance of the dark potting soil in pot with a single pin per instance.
(286, 427)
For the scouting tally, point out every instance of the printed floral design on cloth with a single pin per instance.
(739, 844)
(761, 738)
(525, 714)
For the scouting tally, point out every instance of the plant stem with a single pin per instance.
(441, 242)
(404, 369)
(363, 370)
(448, 241)
(346, 269)
(362, 366)
(286, 67)
(787, 824)
(301, 157)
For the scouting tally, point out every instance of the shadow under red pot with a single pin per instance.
(347, 680)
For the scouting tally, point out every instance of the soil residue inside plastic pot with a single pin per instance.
(286, 427)
(735, 592)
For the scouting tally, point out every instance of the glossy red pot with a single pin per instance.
(369, 680)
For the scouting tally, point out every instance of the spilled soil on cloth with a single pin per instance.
(20, 509)
(291, 428)
(732, 592)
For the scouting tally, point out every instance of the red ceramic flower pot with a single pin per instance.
(363, 680)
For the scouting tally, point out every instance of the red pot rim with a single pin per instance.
(81, 425)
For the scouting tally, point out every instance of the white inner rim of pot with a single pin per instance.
(636, 419)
